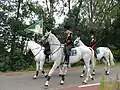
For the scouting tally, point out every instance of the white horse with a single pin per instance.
(39, 56)
(103, 53)
(57, 56)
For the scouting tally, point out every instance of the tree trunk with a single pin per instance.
(13, 44)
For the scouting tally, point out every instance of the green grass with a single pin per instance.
(111, 84)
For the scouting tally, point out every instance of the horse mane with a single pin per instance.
(82, 42)
(52, 35)
(33, 42)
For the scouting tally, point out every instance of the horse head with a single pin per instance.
(76, 42)
(46, 37)
(52, 39)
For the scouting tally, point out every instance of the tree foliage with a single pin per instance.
(101, 16)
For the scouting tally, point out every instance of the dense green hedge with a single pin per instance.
(116, 53)
(15, 62)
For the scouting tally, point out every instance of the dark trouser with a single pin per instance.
(47, 53)
(67, 53)
(95, 52)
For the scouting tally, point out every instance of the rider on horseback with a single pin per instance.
(68, 46)
(47, 51)
(92, 42)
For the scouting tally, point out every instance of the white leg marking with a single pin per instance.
(35, 77)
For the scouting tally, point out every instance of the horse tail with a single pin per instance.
(111, 57)
(92, 58)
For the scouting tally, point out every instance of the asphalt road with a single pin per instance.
(24, 80)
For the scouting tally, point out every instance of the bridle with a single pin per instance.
(33, 49)
(56, 49)
(38, 51)
(76, 42)
(46, 37)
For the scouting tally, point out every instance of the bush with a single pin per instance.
(116, 53)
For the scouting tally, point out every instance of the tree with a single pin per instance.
(116, 28)
(12, 24)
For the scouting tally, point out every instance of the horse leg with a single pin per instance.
(50, 73)
(93, 67)
(105, 62)
(87, 63)
(108, 65)
(37, 70)
(63, 73)
(83, 72)
(41, 68)
(65, 69)
(60, 68)
(69, 65)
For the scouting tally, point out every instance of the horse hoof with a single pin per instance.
(46, 85)
(35, 77)
(93, 74)
(84, 82)
(81, 76)
(107, 73)
(62, 82)
(92, 78)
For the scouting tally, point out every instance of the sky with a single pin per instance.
(58, 18)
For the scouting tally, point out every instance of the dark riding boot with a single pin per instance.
(47, 53)
(95, 54)
(47, 58)
(67, 60)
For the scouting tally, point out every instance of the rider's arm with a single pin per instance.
(69, 41)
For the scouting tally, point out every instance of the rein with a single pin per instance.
(56, 44)
(56, 49)
(35, 49)
(53, 44)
